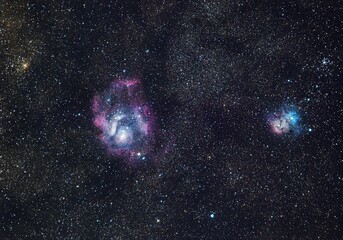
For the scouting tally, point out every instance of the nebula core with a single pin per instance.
(125, 119)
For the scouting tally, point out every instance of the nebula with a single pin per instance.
(124, 119)
(284, 121)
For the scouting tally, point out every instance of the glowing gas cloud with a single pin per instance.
(124, 119)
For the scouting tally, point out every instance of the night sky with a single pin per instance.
(166, 119)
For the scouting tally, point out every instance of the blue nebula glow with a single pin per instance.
(292, 117)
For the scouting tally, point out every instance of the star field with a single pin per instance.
(171, 119)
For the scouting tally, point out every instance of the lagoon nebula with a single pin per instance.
(124, 119)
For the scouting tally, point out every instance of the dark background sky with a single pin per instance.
(211, 71)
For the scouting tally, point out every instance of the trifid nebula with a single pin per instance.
(171, 120)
